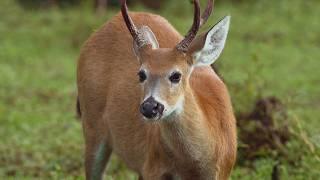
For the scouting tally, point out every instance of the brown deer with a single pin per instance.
(152, 98)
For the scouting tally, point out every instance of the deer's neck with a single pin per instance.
(186, 133)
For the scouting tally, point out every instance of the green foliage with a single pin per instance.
(272, 50)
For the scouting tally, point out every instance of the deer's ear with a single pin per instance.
(206, 48)
(148, 39)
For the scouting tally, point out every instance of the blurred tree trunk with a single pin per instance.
(100, 5)
(153, 3)
(49, 4)
(52, 3)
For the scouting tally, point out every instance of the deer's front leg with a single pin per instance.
(97, 153)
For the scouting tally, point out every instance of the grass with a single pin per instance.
(272, 50)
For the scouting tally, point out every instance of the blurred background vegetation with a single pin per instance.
(271, 65)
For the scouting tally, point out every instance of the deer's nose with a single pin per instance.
(150, 108)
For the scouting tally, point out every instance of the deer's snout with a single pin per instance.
(150, 108)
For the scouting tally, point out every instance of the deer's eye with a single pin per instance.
(175, 77)
(142, 76)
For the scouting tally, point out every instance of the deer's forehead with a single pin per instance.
(158, 71)
(163, 62)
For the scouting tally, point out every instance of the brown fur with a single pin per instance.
(198, 144)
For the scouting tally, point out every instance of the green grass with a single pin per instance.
(273, 50)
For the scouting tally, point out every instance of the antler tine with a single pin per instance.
(130, 25)
(184, 44)
(207, 12)
(197, 23)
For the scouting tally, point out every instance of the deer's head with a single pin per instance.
(164, 72)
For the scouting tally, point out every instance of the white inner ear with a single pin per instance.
(214, 43)
(147, 37)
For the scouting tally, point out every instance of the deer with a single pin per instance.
(149, 96)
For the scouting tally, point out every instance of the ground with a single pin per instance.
(273, 50)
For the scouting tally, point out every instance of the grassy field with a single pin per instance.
(273, 50)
